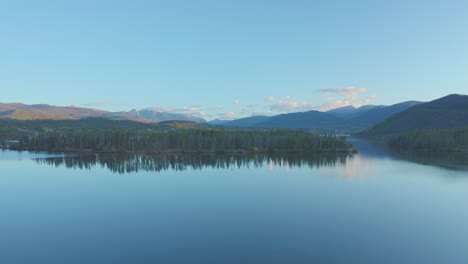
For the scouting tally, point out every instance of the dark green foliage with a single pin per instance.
(444, 113)
(251, 121)
(185, 140)
(92, 123)
(432, 140)
(104, 135)
(301, 120)
(342, 120)
(378, 114)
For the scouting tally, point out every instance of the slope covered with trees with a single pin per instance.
(439, 125)
(18, 111)
(447, 112)
(340, 120)
(184, 140)
(432, 140)
(103, 135)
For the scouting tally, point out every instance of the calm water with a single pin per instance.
(374, 207)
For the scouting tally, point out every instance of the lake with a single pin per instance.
(376, 206)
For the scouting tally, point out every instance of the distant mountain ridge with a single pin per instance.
(251, 121)
(154, 116)
(301, 120)
(447, 112)
(349, 112)
(216, 122)
(380, 113)
(21, 111)
(43, 111)
(344, 119)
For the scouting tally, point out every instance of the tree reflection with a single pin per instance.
(446, 160)
(155, 163)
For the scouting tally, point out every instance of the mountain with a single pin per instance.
(218, 122)
(348, 112)
(43, 111)
(302, 120)
(447, 112)
(343, 119)
(247, 121)
(153, 116)
(20, 111)
(91, 123)
(377, 114)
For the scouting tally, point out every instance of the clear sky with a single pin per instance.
(228, 59)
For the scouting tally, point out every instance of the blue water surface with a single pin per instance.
(374, 207)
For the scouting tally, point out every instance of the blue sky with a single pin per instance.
(229, 59)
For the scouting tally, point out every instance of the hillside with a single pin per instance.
(431, 140)
(247, 121)
(94, 123)
(302, 120)
(104, 135)
(344, 119)
(372, 116)
(152, 116)
(43, 111)
(347, 119)
(447, 112)
(218, 122)
(18, 111)
(349, 112)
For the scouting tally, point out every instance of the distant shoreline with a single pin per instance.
(181, 151)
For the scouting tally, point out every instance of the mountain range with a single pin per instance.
(346, 118)
(444, 113)
(43, 111)
(447, 112)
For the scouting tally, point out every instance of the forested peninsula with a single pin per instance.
(171, 139)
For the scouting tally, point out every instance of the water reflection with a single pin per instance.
(6, 154)
(154, 163)
(446, 160)
(378, 149)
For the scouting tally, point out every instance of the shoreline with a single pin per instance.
(182, 151)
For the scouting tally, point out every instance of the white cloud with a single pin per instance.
(332, 105)
(182, 110)
(107, 104)
(270, 99)
(227, 115)
(348, 93)
(162, 109)
(125, 103)
(346, 97)
(216, 107)
(263, 113)
(201, 114)
(291, 106)
(236, 101)
(95, 104)
(192, 109)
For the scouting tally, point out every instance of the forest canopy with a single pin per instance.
(168, 137)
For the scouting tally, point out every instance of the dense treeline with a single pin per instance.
(183, 140)
(432, 140)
